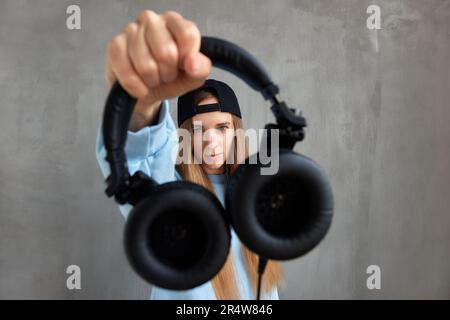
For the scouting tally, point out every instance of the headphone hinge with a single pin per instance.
(290, 125)
(137, 187)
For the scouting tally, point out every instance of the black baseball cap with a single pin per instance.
(227, 101)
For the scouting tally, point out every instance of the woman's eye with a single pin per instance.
(199, 129)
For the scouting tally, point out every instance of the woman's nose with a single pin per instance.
(213, 142)
(210, 136)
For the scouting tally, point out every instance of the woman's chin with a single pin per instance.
(215, 162)
(213, 165)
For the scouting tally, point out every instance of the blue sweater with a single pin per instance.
(153, 150)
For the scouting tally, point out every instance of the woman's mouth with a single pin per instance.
(214, 156)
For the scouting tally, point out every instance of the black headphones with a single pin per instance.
(177, 235)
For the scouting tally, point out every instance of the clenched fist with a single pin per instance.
(157, 57)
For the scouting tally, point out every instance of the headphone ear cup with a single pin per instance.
(281, 216)
(177, 237)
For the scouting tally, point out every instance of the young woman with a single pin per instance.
(152, 136)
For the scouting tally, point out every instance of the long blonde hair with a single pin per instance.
(224, 283)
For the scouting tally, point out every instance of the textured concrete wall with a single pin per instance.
(377, 104)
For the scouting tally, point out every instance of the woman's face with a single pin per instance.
(214, 132)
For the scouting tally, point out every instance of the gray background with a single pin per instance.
(377, 104)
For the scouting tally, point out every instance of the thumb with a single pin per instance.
(191, 78)
(197, 65)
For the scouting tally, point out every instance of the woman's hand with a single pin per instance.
(157, 57)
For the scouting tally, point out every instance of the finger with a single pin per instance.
(162, 46)
(141, 58)
(123, 69)
(197, 65)
(185, 33)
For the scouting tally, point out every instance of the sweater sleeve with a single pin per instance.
(152, 149)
